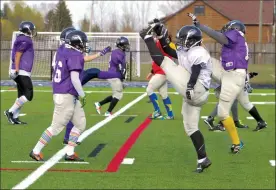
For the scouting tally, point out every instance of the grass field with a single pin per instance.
(164, 155)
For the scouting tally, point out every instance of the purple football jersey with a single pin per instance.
(23, 44)
(235, 54)
(67, 60)
(117, 61)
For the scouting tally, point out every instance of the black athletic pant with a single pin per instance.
(24, 87)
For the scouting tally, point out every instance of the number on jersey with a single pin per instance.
(57, 74)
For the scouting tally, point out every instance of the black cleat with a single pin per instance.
(65, 142)
(210, 122)
(201, 166)
(37, 157)
(240, 125)
(218, 128)
(236, 148)
(261, 125)
(18, 122)
(73, 158)
(9, 116)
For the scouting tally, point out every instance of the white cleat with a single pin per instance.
(107, 114)
(98, 107)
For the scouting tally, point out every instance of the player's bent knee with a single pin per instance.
(149, 90)
(55, 129)
(118, 95)
(247, 106)
(222, 112)
(189, 129)
(82, 124)
(29, 95)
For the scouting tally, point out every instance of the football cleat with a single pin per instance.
(166, 117)
(236, 148)
(98, 107)
(210, 122)
(239, 124)
(37, 157)
(156, 115)
(73, 158)
(261, 125)
(9, 116)
(18, 122)
(218, 128)
(107, 114)
(203, 165)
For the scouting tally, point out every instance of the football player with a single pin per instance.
(157, 80)
(115, 75)
(191, 78)
(21, 69)
(232, 74)
(69, 97)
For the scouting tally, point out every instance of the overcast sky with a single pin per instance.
(79, 8)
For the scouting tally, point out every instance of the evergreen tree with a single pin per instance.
(62, 17)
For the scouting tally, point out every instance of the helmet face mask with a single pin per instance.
(78, 40)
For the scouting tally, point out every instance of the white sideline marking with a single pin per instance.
(272, 162)
(272, 75)
(176, 93)
(204, 117)
(22, 114)
(30, 179)
(250, 118)
(118, 116)
(128, 161)
(36, 162)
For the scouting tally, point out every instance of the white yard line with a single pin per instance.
(36, 162)
(176, 93)
(128, 161)
(272, 162)
(35, 175)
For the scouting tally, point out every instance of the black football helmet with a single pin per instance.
(188, 37)
(78, 40)
(27, 28)
(123, 44)
(65, 32)
(234, 25)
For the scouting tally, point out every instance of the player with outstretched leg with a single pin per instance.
(21, 69)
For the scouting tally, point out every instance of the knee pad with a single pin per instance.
(29, 94)
(118, 95)
(223, 113)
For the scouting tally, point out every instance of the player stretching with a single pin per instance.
(69, 97)
(117, 66)
(21, 68)
(157, 80)
(191, 78)
(235, 57)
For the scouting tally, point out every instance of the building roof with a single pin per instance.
(246, 11)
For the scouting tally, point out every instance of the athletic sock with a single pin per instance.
(16, 113)
(229, 125)
(19, 102)
(255, 114)
(106, 100)
(43, 141)
(69, 127)
(112, 104)
(154, 101)
(198, 141)
(214, 112)
(168, 105)
(73, 139)
(234, 110)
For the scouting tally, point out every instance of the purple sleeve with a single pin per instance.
(75, 63)
(232, 35)
(23, 46)
(123, 62)
(114, 58)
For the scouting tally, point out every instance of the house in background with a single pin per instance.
(216, 13)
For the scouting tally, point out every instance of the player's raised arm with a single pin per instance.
(95, 56)
(218, 36)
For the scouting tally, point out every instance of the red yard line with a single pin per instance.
(114, 164)
(120, 155)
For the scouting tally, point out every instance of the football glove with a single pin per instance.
(105, 51)
(146, 32)
(247, 87)
(252, 74)
(195, 21)
(189, 92)
(82, 100)
(14, 75)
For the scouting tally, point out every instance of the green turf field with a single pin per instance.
(164, 155)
